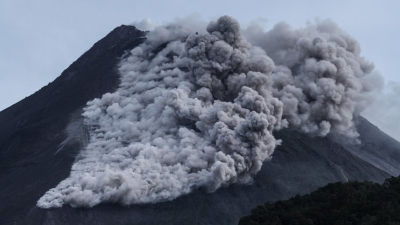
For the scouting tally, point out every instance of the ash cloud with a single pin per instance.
(146, 24)
(197, 107)
(320, 76)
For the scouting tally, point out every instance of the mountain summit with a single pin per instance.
(42, 135)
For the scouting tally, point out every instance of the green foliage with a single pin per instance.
(348, 203)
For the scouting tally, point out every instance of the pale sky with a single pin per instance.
(41, 38)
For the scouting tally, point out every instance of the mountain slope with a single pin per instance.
(33, 128)
(42, 134)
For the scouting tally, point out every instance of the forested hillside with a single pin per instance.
(336, 203)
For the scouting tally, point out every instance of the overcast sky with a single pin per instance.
(39, 39)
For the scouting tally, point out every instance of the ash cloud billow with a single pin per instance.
(197, 107)
(320, 76)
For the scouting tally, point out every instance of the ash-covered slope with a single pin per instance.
(387, 157)
(33, 129)
(35, 156)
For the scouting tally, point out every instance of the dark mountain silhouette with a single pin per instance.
(41, 135)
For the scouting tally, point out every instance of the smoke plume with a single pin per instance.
(197, 107)
(319, 76)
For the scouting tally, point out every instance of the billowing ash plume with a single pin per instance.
(197, 109)
(191, 111)
(320, 76)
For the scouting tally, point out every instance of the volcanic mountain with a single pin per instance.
(41, 136)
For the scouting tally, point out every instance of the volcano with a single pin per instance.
(41, 137)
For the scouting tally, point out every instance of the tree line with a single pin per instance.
(337, 204)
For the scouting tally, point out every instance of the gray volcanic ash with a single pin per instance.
(196, 108)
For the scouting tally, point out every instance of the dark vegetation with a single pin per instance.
(336, 203)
